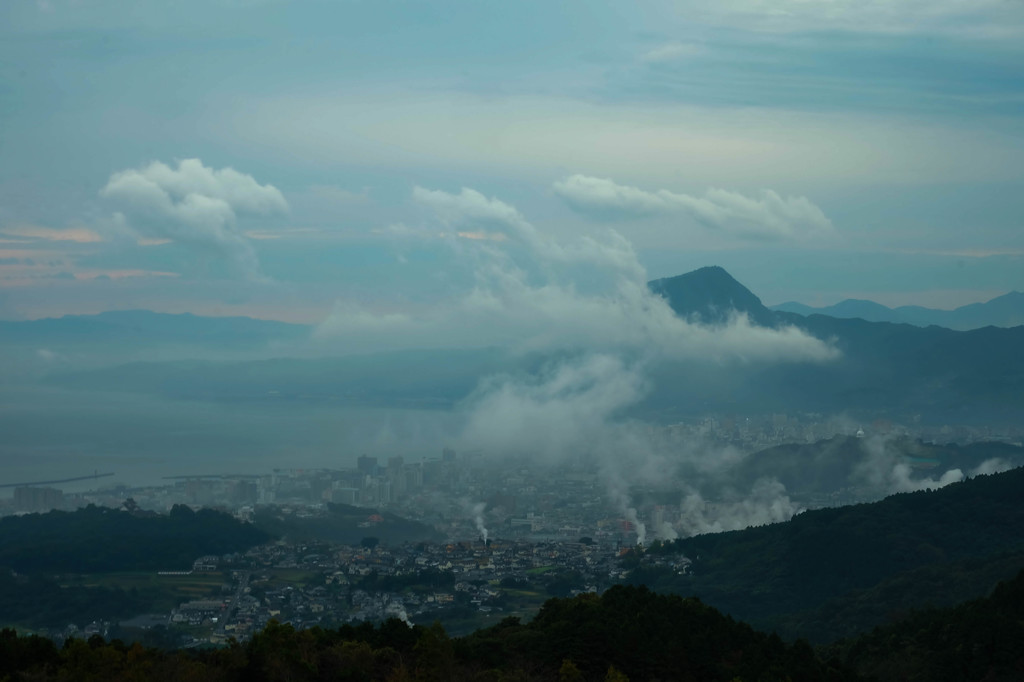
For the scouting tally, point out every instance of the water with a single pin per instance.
(50, 434)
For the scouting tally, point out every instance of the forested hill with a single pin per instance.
(978, 640)
(344, 524)
(625, 634)
(96, 539)
(778, 576)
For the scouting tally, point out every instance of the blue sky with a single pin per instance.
(303, 160)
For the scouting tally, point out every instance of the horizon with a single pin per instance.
(313, 320)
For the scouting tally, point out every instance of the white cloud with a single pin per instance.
(470, 207)
(984, 19)
(537, 292)
(671, 52)
(767, 216)
(193, 205)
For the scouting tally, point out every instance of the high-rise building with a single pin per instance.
(33, 499)
(367, 465)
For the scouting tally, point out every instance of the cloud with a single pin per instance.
(767, 216)
(539, 293)
(584, 305)
(766, 502)
(470, 207)
(79, 235)
(885, 471)
(671, 52)
(195, 206)
(560, 410)
(980, 19)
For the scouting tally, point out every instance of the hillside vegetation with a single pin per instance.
(785, 576)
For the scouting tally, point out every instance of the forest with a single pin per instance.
(628, 633)
(831, 573)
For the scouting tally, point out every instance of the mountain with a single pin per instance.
(935, 373)
(899, 371)
(867, 467)
(808, 576)
(145, 326)
(710, 295)
(977, 640)
(1003, 311)
(31, 348)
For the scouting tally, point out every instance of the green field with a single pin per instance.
(165, 591)
(540, 570)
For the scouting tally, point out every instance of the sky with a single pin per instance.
(395, 166)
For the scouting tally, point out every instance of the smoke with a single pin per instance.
(478, 519)
(620, 498)
(885, 470)
(397, 610)
(995, 465)
(767, 502)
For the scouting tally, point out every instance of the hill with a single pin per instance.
(626, 633)
(344, 524)
(870, 467)
(1002, 311)
(95, 539)
(977, 640)
(779, 576)
(711, 295)
(900, 371)
(886, 369)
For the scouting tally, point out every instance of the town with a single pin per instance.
(454, 538)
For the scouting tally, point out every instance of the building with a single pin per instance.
(33, 499)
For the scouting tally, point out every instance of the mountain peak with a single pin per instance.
(711, 294)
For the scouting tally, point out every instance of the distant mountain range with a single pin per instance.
(1003, 311)
(974, 376)
(146, 326)
(886, 369)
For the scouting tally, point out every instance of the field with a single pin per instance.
(165, 591)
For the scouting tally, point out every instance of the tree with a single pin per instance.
(569, 672)
(615, 675)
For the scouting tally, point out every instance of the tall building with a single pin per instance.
(367, 465)
(32, 499)
(396, 476)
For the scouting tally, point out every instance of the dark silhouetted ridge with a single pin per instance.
(711, 294)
